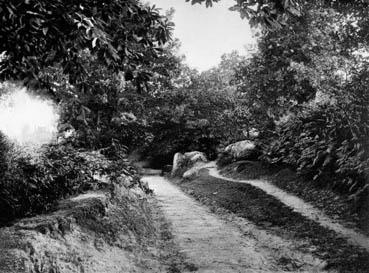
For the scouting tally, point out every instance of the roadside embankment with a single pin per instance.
(116, 230)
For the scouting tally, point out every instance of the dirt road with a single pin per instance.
(226, 244)
(302, 207)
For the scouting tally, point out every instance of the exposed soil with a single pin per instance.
(226, 243)
(267, 212)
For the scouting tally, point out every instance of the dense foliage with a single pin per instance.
(4, 148)
(32, 184)
(305, 87)
(276, 14)
(196, 111)
(36, 34)
(121, 86)
(84, 55)
(187, 121)
(268, 13)
(324, 144)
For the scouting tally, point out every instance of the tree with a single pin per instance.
(307, 81)
(275, 14)
(220, 78)
(103, 112)
(312, 57)
(36, 34)
(271, 14)
(89, 55)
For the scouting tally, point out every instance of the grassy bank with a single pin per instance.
(105, 231)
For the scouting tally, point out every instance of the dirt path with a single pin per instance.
(300, 206)
(214, 244)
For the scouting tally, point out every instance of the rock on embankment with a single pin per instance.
(104, 231)
(241, 150)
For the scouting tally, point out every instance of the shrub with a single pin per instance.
(32, 185)
(326, 143)
(190, 120)
(224, 159)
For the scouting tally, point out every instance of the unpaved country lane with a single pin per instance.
(213, 244)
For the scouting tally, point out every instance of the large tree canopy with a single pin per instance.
(269, 13)
(35, 34)
(273, 14)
